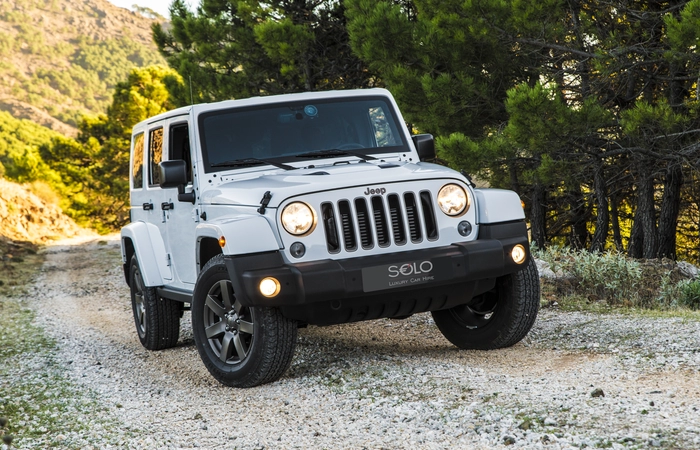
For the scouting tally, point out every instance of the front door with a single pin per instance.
(183, 216)
(176, 220)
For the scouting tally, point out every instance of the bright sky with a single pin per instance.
(159, 6)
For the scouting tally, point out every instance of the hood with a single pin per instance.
(286, 184)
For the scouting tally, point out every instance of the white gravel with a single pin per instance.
(381, 384)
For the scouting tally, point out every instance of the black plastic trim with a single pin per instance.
(321, 292)
(174, 294)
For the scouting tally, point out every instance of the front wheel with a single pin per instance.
(498, 318)
(241, 346)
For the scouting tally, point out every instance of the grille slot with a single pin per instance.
(330, 228)
(363, 224)
(379, 221)
(347, 225)
(383, 238)
(412, 217)
(431, 230)
(396, 219)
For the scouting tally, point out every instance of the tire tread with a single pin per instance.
(162, 316)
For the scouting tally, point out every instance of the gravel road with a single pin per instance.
(578, 380)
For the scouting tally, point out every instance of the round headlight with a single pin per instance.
(298, 218)
(453, 200)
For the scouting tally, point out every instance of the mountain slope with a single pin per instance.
(24, 216)
(62, 58)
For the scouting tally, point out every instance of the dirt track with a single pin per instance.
(381, 384)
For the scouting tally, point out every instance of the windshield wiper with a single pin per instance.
(331, 153)
(243, 162)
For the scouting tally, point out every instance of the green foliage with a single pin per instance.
(588, 110)
(618, 280)
(90, 174)
(610, 277)
(689, 294)
(71, 75)
(235, 49)
(100, 157)
(19, 151)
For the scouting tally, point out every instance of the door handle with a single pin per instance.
(166, 206)
(147, 206)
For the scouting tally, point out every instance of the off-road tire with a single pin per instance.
(157, 319)
(497, 319)
(240, 346)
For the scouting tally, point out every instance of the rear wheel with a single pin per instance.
(498, 318)
(157, 319)
(241, 346)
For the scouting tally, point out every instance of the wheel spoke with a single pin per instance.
(138, 281)
(214, 305)
(237, 307)
(226, 293)
(245, 327)
(225, 347)
(239, 346)
(216, 330)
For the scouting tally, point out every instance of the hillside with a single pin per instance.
(24, 216)
(61, 58)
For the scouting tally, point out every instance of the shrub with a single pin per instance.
(689, 294)
(610, 277)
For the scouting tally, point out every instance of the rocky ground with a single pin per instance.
(578, 380)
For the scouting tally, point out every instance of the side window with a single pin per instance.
(155, 155)
(137, 167)
(179, 146)
(382, 131)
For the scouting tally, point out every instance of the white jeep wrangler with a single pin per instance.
(267, 214)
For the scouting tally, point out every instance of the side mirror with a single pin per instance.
(425, 146)
(174, 174)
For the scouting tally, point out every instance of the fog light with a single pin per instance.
(269, 287)
(464, 228)
(297, 249)
(518, 254)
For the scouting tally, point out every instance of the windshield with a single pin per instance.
(296, 131)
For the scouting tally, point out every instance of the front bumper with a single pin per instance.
(398, 284)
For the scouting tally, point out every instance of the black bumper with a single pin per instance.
(398, 284)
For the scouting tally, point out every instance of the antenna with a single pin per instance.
(191, 97)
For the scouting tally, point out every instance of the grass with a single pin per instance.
(611, 282)
(42, 407)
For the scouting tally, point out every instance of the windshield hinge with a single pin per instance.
(264, 202)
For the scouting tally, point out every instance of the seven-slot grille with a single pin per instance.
(379, 221)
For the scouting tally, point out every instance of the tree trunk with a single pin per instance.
(579, 218)
(644, 238)
(538, 220)
(670, 207)
(615, 221)
(601, 223)
(645, 205)
(635, 247)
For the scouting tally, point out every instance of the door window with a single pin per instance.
(155, 155)
(137, 162)
(179, 147)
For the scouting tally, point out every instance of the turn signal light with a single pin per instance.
(222, 242)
